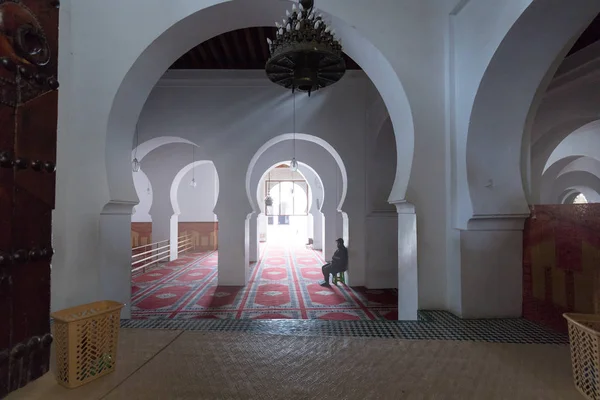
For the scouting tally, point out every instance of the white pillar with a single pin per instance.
(408, 282)
(491, 268)
(161, 225)
(329, 219)
(233, 248)
(164, 221)
(114, 275)
(382, 255)
(261, 223)
(174, 237)
(253, 242)
(352, 228)
(318, 229)
(233, 211)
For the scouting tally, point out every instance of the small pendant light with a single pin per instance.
(269, 199)
(193, 182)
(135, 164)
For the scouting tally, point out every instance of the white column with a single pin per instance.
(382, 255)
(253, 242)
(114, 275)
(164, 222)
(491, 268)
(408, 282)
(233, 248)
(161, 225)
(352, 228)
(162, 228)
(261, 223)
(318, 229)
(233, 211)
(329, 218)
(174, 237)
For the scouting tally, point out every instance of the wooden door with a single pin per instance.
(28, 117)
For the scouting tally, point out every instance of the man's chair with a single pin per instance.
(339, 277)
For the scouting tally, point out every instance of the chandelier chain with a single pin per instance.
(294, 123)
(137, 140)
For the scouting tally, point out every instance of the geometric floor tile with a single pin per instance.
(283, 298)
(432, 325)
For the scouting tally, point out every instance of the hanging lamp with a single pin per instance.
(193, 182)
(135, 164)
(269, 199)
(305, 54)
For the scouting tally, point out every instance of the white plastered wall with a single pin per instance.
(97, 34)
(490, 120)
(416, 43)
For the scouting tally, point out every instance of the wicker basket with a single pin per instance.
(584, 335)
(86, 339)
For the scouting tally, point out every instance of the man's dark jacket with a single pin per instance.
(339, 260)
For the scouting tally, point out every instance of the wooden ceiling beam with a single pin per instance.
(195, 60)
(177, 64)
(240, 49)
(206, 59)
(229, 58)
(250, 44)
(263, 44)
(215, 53)
(237, 42)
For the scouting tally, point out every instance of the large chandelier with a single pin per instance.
(305, 55)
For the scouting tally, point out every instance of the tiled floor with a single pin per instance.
(433, 325)
(185, 296)
(158, 364)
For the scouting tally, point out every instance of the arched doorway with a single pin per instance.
(287, 197)
(159, 49)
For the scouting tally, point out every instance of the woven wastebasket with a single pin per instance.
(584, 336)
(86, 339)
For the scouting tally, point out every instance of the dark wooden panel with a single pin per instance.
(28, 115)
(37, 121)
(241, 49)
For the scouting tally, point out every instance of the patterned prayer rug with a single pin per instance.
(283, 285)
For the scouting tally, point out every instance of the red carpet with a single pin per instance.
(284, 284)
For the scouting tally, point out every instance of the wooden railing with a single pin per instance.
(184, 243)
(145, 256)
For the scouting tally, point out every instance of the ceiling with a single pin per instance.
(590, 36)
(241, 49)
(248, 49)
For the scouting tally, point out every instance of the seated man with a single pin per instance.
(338, 263)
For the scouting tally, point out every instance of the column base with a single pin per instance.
(382, 250)
(233, 265)
(408, 277)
